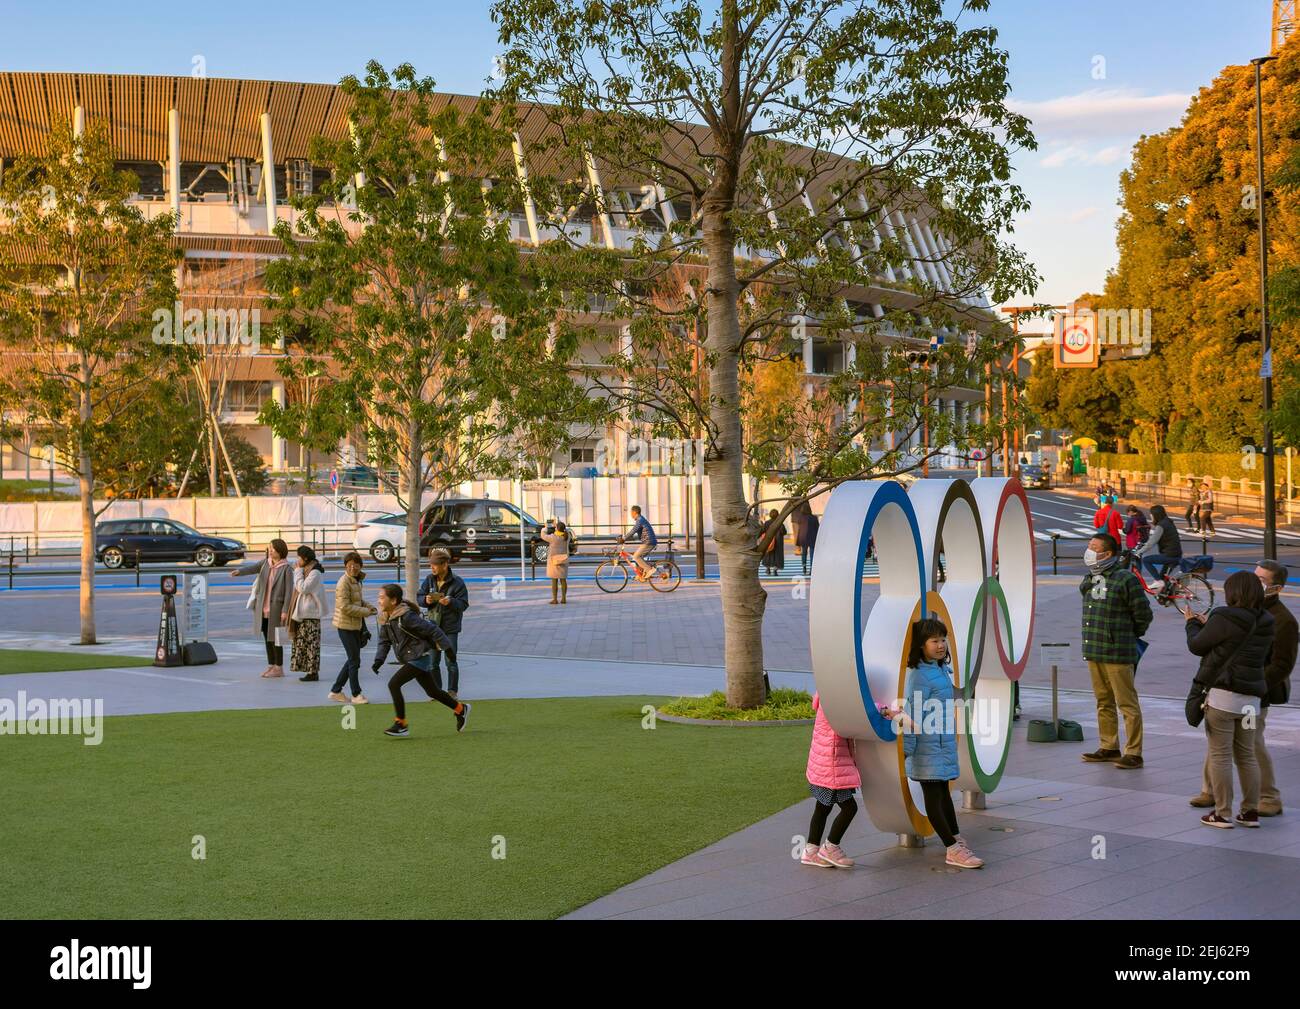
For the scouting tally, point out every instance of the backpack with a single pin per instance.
(573, 540)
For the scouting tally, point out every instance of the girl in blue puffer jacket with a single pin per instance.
(928, 725)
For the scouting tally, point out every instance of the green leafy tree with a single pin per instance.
(896, 108)
(245, 459)
(444, 342)
(81, 274)
(142, 457)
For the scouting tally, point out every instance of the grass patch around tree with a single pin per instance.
(26, 660)
(538, 808)
(783, 703)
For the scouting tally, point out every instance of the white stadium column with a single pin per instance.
(174, 164)
(598, 194)
(277, 443)
(530, 208)
(268, 172)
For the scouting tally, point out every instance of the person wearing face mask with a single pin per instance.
(1277, 675)
(1115, 614)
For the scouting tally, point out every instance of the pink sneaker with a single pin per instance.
(962, 857)
(834, 854)
(334, 695)
(812, 856)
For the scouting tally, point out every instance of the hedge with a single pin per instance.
(1233, 465)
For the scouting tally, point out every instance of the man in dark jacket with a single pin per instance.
(445, 595)
(404, 631)
(1277, 678)
(1115, 614)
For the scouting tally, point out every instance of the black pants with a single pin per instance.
(274, 652)
(806, 556)
(848, 810)
(404, 675)
(350, 673)
(1207, 520)
(938, 807)
(1191, 517)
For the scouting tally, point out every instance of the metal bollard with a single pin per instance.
(1055, 538)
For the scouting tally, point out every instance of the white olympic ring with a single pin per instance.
(986, 599)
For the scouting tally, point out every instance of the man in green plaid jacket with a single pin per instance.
(1115, 614)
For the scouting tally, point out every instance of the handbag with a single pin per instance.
(365, 634)
(1194, 706)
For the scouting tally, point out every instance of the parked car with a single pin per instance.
(362, 475)
(480, 528)
(1035, 476)
(381, 536)
(121, 542)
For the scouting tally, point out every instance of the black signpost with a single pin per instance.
(168, 652)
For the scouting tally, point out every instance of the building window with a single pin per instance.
(582, 455)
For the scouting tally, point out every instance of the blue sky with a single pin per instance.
(1087, 113)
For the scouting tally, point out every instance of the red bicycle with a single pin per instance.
(1189, 589)
(613, 573)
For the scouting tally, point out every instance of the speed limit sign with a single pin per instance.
(1076, 341)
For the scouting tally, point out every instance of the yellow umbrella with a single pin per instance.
(1084, 442)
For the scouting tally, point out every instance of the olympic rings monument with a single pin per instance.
(985, 532)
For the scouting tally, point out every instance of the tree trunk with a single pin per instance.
(414, 496)
(212, 456)
(734, 532)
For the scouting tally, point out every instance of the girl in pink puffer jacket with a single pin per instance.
(832, 779)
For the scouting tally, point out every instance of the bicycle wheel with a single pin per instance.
(1196, 593)
(611, 577)
(667, 577)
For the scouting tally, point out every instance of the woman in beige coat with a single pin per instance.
(557, 561)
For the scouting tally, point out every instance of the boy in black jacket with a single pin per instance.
(444, 594)
(413, 638)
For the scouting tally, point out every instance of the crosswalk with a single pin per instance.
(1222, 533)
(1044, 533)
(793, 567)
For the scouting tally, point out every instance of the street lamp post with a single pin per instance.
(1266, 369)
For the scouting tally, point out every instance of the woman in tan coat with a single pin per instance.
(557, 561)
(350, 612)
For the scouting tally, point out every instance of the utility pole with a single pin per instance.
(697, 366)
(1266, 366)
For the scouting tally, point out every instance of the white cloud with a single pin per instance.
(1103, 112)
(1064, 154)
(1082, 215)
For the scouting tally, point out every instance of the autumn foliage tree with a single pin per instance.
(1188, 251)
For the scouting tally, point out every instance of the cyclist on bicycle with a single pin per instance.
(1163, 547)
(644, 534)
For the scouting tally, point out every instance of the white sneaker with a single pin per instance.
(360, 699)
(1156, 585)
(334, 695)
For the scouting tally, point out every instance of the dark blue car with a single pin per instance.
(123, 542)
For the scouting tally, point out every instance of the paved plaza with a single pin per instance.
(1040, 833)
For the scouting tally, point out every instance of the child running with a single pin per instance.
(931, 756)
(402, 629)
(832, 779)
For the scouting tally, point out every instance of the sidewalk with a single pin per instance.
(1039, 837)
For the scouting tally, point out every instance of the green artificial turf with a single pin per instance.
(25, 660)
(303, 818)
